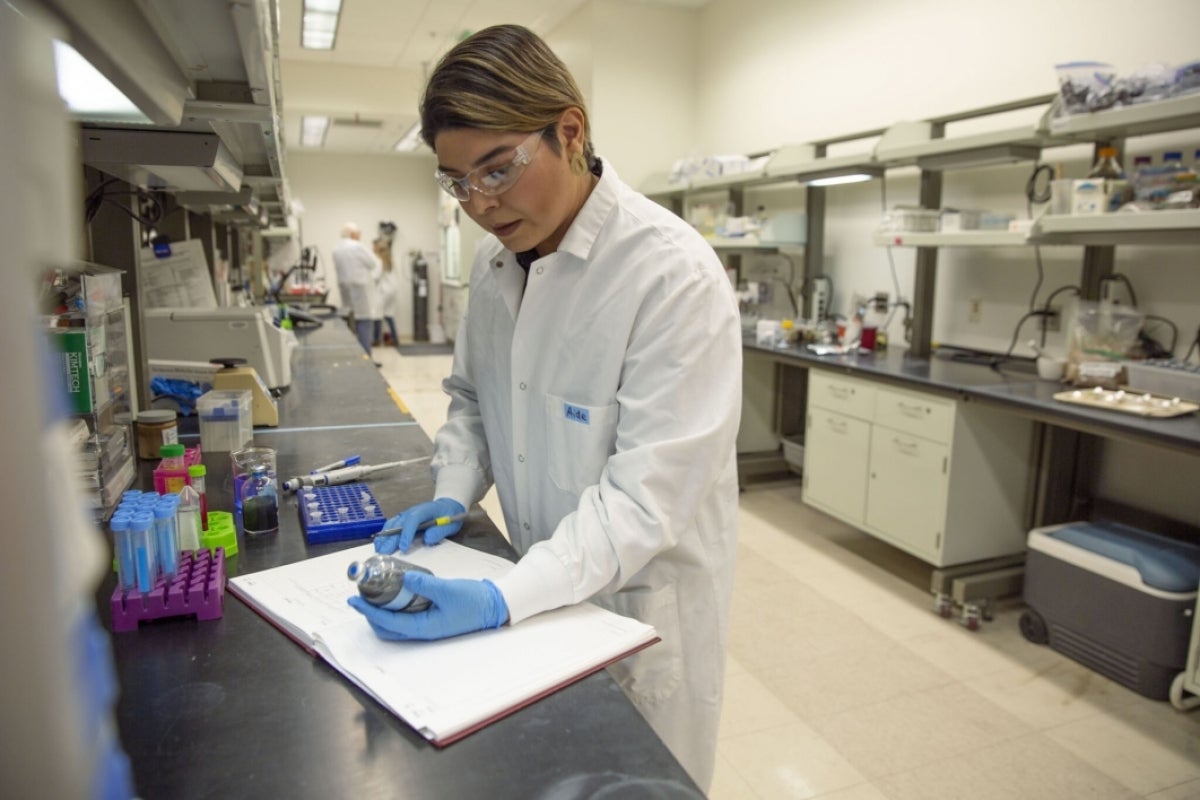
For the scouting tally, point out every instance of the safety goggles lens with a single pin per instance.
(493, 179)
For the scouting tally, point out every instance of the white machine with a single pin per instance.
(198, 334)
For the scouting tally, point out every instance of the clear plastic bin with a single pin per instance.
(912, 219)
(226, 420)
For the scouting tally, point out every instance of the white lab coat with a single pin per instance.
(607, 411)
(389, 284)
(358, 272)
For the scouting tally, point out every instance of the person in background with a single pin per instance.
(358, 273)
(388, 287)
(596, 381)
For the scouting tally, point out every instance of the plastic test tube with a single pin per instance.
(123, 550)
(167, 536)
(188, 518)
(145, 561)
(197, 472)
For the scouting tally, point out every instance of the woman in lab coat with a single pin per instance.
(596, 382)
(388, 286)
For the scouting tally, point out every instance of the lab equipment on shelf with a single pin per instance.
(380, 580)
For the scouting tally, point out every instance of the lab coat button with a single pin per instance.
(539, 270)
(499, 263)
(522, 387)
(525, 525)
(521, 459)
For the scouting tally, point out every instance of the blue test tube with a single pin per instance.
(123, 550)
(167, 538)
(145, 559)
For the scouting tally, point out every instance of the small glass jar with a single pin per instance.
(154, 429)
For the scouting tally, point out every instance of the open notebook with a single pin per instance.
(450, 688)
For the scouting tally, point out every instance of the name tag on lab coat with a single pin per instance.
(576, 414)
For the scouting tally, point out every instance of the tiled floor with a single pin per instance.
(843, 684)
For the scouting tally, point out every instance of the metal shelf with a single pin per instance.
(1147, 227)
(955, 239)
(730, 245)
(1161, 116)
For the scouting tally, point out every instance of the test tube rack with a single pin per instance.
(165, 479)
(322, 522)
(198, 590)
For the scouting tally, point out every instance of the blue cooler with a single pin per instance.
(1114, 598)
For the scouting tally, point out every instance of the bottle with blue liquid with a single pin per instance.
(260, 503)
(380, 580)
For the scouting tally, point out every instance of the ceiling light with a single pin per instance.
(87, 93)
(409, 141)
(312, 131)
(319, 29)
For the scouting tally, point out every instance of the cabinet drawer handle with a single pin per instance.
(907, 448)
(909, 410)
(841, 392)
(836, 425)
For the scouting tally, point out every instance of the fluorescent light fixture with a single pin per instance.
(172, 160)
(88, 94)
(319, 29)
(980, 157)
(855, 173)
(411, 140)
(836, 180)
(312, 131)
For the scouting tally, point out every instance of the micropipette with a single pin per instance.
(345, 474)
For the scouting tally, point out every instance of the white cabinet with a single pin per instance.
(939, 478)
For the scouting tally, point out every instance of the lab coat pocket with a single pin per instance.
(651, 676)
(579, 440)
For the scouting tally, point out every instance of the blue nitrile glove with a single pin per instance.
(410, 518)
(458, 605)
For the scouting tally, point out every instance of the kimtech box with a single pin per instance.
(1115, 598)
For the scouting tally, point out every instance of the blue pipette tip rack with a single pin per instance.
(361, 518)
(198, 590)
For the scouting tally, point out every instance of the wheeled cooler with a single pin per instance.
(1114, 598)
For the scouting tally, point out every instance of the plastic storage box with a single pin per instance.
(912, 219)
(1115, 598)
(338, 513)
(226, 419)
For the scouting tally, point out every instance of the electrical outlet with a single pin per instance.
(974, 310)
(819, 300)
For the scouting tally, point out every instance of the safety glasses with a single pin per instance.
(491, 179)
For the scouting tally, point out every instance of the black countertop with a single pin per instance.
(232, 708)
(1014, 387)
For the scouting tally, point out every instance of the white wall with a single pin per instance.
(636, 66)
(773, 72)
(367, 190)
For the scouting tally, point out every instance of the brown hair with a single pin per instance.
(503, 78)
